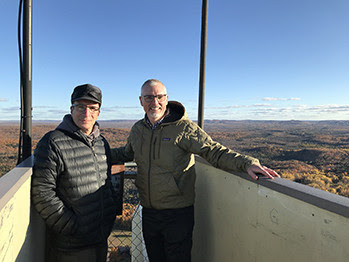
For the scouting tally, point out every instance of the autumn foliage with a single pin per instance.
(315, 153)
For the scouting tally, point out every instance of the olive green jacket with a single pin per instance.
(165, 158)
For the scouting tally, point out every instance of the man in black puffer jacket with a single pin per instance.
(71, 184)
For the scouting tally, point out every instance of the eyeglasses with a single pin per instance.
(150, 98)
(82, 108)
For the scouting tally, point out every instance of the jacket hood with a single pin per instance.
(175, 111)
(68, 125)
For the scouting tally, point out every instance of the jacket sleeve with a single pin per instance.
(197, 141)
(116, 188)
(122, 154)
(44, 195)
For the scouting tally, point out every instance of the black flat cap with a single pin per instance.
(87, 92)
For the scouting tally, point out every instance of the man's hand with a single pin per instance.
(254, 169)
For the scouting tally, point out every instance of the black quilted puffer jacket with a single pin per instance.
(71, 187)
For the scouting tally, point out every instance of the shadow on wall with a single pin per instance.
(33, 248)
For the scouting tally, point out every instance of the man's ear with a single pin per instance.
(140, 100)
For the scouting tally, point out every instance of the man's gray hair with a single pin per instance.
(151, 82)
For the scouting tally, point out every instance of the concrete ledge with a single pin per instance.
(328, 201)
(239, 219)
(13, 180)
(22, 234)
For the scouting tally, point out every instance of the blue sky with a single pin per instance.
(266, 59)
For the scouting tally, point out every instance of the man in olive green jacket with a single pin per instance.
(163, 145)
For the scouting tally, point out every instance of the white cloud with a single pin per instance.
(10, 109)
(269, 112)
(3, 99)
(261, 111)
(329, 108)
(261, 105)
(43, 107)
(118, 108)
(10, 113)
(280, 99)
(226, 107)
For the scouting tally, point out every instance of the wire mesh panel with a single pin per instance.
(126, 239)
(139, 253)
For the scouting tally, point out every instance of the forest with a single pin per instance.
(314, 153)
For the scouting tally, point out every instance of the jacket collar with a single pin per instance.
(68, 125)
(175, 111)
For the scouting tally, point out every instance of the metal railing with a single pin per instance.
(126, 240)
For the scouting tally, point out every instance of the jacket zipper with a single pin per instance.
(160, 141)
(154, 151)
(149, 168)
(99, 182)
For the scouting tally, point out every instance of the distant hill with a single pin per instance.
(315, 153)
(226, 124)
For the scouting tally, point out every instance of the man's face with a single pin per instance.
(85, 114)
(154, 107)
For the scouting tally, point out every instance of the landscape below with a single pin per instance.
(315, 153)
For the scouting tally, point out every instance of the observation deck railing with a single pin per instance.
(236, 219)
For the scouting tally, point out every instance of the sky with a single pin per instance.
(265, 59)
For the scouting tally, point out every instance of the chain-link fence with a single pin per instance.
(126, 240)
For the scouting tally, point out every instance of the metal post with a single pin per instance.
(202, 62)
(27, 79)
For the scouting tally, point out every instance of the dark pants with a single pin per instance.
(168, 234)
(91, 254)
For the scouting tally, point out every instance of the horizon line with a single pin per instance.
(195, 120)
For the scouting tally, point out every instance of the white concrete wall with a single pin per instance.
(22, 231)
(239, 220)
